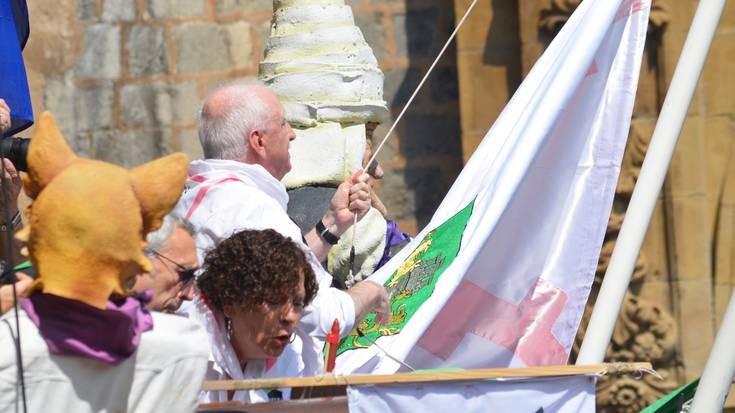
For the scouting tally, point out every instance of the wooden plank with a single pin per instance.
(425, 376)
(321, 405)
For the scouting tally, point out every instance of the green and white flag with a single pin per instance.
(501, 274)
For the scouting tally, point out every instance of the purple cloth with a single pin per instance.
(393, 236)
(73, 328)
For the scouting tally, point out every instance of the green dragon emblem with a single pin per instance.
(414, 280)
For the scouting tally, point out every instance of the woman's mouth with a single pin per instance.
(282, 340)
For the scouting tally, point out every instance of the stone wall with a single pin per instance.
(125, 78)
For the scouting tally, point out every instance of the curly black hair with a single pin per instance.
(255, 267)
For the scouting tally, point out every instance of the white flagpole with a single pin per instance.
(720, 368)
(653, 172)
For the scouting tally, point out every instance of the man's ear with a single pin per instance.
(48, 155)
(256, 143)
(158, 185)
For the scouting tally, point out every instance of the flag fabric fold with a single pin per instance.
(501, 274)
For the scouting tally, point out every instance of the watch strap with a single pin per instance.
(325, 234)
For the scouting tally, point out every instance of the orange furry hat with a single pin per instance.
(89, 218)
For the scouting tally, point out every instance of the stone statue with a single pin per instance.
(327, 77)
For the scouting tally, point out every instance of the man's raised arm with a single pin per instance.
(352, 196)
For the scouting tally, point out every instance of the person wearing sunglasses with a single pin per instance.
(172, 253)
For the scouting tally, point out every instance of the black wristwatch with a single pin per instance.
(325, 234)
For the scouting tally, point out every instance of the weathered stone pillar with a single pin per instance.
(327, 77)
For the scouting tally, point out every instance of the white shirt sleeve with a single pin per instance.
(328, 305)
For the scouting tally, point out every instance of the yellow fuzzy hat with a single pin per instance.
(89, 218)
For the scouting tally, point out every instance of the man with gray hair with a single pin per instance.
(173, 256)
(245, 138)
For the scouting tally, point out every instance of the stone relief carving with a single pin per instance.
(659, 17)
(645, 332)
(556, 12)
(630, 394)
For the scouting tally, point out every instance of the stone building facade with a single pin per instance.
(125, 78)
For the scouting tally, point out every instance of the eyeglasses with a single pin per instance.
(296, 304)
(186, 275)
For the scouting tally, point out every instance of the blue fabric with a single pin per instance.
(13, 81)
(22, 25)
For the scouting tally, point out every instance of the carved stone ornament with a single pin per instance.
(659, 17)
(644, 332)
(557, 12)
(627, 394)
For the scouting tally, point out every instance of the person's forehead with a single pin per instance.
(181, 247)
(270, 99)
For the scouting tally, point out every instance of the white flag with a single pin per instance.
(573, 394)
(500, 276)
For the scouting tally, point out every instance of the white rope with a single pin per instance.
(628, 368)
(390, 356)
(652, 372)
(426, 76)
(350, 276)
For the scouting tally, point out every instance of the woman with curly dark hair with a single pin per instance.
(253, 290)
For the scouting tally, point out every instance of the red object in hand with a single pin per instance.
(332, 341)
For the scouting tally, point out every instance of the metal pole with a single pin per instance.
(650, 181)
(720, 368)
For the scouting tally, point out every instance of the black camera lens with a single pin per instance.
(16, 150)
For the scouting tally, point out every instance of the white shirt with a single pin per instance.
(165, 374)
(222, 197)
